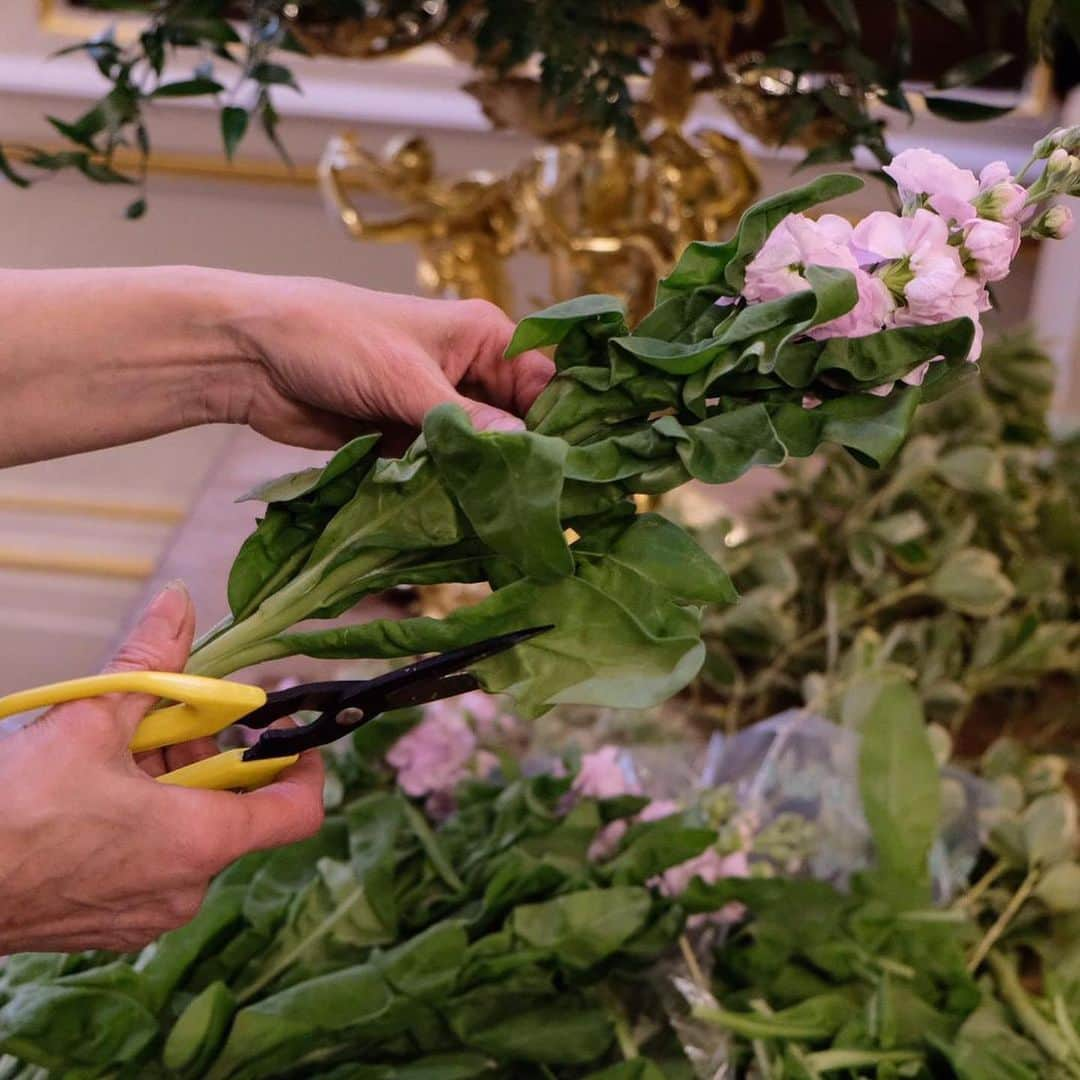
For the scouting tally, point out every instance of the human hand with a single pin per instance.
(333, 360)
(96, 854)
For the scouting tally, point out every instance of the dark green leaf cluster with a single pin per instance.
(586, 53)
(386, 947)
(958, 568)
(705, 387)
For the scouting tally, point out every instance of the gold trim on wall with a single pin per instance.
(95, 566)
(55, 17)
(197, 166)
(76, 507)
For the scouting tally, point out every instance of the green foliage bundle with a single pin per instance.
(959, 568)
(700, 388)
(586, 53)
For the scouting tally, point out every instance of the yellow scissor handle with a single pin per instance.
(229, 772)
(206, 707)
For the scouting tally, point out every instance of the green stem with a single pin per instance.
(974, 894)
(1027, 165)
(251, 640)
(1027, 1015)
(800, 644)
(1001, 924)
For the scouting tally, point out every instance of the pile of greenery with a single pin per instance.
(699, 388)
(958, 568)
(388, 947)
(495, 942)
(833, 69)
(878, 983)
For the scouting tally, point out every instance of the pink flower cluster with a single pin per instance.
(931, 263)
(602, 776)
(447, 746)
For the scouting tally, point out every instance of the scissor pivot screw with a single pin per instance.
(349, 717)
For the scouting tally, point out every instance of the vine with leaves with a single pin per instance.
(585, 55)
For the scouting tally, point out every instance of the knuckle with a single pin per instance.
(310, 817)
(182, 907)
(484, 311)
(135, 655)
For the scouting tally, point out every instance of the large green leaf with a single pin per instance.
(550, 326)
(899, 786)
(509, 487)
(628, 590)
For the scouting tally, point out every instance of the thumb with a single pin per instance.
(425, 394)
(487, 417)
(160, 641)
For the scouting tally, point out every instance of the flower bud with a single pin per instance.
(1069, 138)
(1054, 223)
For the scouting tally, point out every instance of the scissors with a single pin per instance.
(207, 706)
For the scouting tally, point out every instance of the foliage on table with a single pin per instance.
(822, 70)
(526, 924)
(392, 946)
(877, 982)
(959, 567)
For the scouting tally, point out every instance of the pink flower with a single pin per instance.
(927, 270)
(434, 755)
(969, 298)
(1000, 198)
(921, 175)
(777, 269)
(991, 246)
(711, 867)
(1054, 223)
(602, 776)
(610, 836)
(868, 315)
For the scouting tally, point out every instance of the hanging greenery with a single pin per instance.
(804, 65)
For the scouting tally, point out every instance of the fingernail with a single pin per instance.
(170, 605)
(504, 422)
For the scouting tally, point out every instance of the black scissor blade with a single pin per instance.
(423, 693)
(345, 706)
(434, 668)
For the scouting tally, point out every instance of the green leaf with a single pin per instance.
(583, 928)
(974, 70)
(723, 447)
(274, 75)
(234, 124)
(645, 642)
(567, 1030)
(970, 581)
(9, 173)
(550, 326)
(293, 485)
(900, 789)
(187, 88)
(964, 111)
(199, 1030)
(509, 487)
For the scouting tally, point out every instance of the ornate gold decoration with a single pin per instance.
(608, 216)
